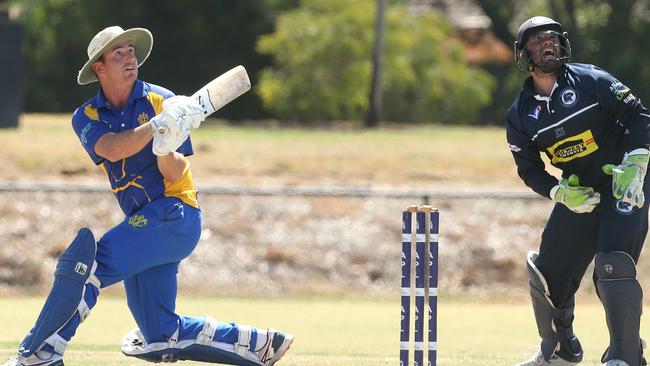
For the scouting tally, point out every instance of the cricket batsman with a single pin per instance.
(138, 134)
(592, 128)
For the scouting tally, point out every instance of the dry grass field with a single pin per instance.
(44, 147)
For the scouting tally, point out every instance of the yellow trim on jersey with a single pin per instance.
(130, 184)
(573, 147)
(91, 112)
(156, 101)
(101, 165)
(183, 189)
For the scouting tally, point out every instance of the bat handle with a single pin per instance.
(160, 129)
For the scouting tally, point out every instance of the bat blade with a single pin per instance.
(223, 90)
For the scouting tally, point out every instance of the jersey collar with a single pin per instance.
(139, 91)
(529, 91)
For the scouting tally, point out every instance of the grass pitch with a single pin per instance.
(328, 332)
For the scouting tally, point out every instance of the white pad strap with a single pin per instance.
(173, 339)
(243, 343)
(206, 335)
(84, 310)
(92, 278)
(57, 342)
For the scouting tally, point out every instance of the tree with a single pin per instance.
(604, 32)
(193, 43)
(374, 112)
(322, 71)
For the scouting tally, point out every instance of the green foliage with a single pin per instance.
(193, 43)
(426, 76)
(321, 53)
(56, 37)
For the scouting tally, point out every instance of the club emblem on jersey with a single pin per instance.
(143, 118)
(138, 221)
(569, 97)
(535, 112)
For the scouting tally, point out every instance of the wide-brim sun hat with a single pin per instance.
(141, 39)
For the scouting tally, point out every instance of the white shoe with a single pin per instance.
(277, 344)
(616, 363)
(52, 359)
(538, 360)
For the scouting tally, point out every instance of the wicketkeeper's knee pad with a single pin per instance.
(557, 337)
(621, 295)
(74, 270)
(203, 348)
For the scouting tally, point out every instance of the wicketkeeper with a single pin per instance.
(592, 128)
(138, 134)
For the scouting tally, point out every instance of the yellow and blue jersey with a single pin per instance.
(135, 180)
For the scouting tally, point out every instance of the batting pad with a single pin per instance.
(75, 268)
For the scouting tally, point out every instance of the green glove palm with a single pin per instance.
(577, 198)
(627, 178)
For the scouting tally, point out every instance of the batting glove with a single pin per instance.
(578, 199)
(166, 138)
(627, 178)
(185, 110)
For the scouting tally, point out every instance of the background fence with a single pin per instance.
(273, 242)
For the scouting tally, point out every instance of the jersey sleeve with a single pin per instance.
(186, 147)
(89, 128)
(617, 99)
(530, 166)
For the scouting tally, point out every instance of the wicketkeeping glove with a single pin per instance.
(578, 199)
(627, 178)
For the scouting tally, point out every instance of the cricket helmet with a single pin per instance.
(531, 26)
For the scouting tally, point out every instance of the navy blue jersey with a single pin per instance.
(135, 180)
(589, 120)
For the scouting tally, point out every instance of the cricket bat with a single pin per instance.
(219, 92)
(223, 90)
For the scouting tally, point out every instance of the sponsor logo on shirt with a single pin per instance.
(573, 147)
(84, 131)
(621, 92)
(535, 112)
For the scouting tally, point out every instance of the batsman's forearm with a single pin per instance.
(172, 166)
(121, 145)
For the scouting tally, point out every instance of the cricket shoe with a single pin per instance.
(616, 363)
(644, 345)
(52, 359)
(277, 344)
(538, 360)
